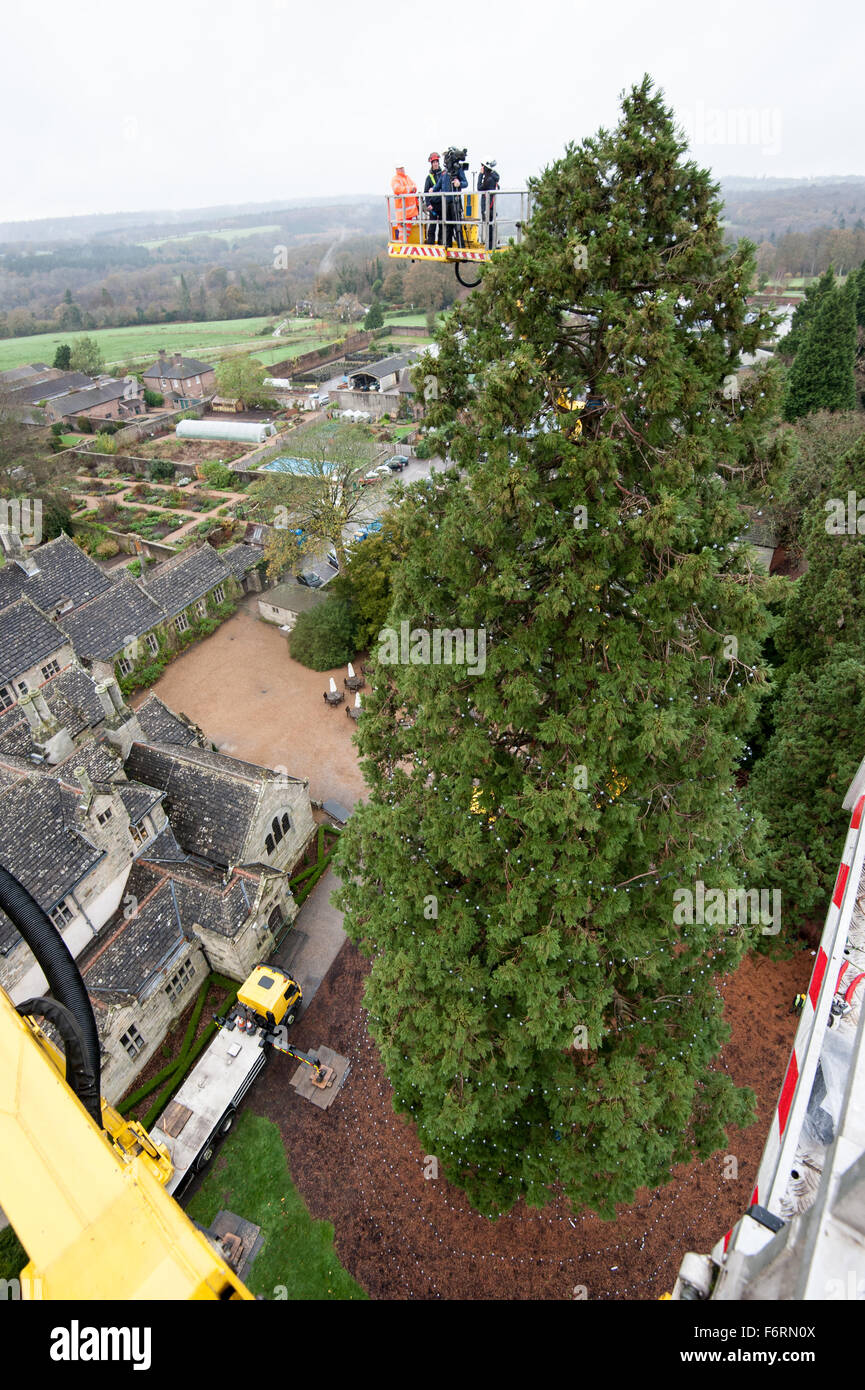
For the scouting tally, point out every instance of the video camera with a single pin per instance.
(454, 160)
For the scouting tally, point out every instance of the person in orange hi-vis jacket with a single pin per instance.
(405, 203)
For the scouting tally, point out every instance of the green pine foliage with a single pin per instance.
(860, 296)
(542, 1019)
(821, 377)
(821, 440)
(805, 313)
(815, 748)
(800, 783)
(366, 581)
(324, 637)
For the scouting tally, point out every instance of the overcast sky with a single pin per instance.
(108, 106)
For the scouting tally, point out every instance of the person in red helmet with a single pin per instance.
(433, 206)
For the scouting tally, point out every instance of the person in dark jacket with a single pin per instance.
(451, 186)
(433, 206)
(488, 181)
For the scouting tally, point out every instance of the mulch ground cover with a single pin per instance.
(403, 1236)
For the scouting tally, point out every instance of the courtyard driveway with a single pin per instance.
(243, 689)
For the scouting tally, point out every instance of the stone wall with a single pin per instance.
(153, 1017)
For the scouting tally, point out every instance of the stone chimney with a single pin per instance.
(162, 355)
(122, 726)
(52, 741)
(105, 700)
(35, 709)
(177, 360)
(12, 544)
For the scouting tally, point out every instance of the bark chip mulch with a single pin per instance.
(361, 1167)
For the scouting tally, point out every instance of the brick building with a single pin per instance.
(181, 380)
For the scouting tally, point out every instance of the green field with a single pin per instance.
(250, 1177)
(226, 234)
(141, 344)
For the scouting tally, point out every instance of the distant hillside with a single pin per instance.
(766, 209)
(162, 222)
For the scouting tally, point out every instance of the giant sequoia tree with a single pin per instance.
(541, 1017)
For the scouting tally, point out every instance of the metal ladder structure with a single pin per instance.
(803, 1235)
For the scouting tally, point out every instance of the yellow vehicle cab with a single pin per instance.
(270, 996)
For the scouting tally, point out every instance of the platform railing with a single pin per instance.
(466, 219)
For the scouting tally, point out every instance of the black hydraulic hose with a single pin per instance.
(61, 972)
(79, 1076)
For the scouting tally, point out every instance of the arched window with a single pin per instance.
(269, 845)
(277, 829)
(286, 824)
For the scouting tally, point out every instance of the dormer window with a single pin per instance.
(141, 832)
(6, 697)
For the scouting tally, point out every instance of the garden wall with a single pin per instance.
(127, 543)
(328, 352)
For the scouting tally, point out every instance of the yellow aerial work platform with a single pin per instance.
(473, 229)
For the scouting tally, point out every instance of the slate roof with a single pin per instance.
(79, 402)
(293, 598)
(128, 952)
(138, 799)
(206, 902)
(241, 558)
(49, 389)
(102, 627)
(183, 578)
(386, 367)
(65, 572)
(46, 808)
(188, 366)
(26, 638)
(210, 798)
(100, 761)
(161, 725)
(15, 740)
(25, 374)
(164, 849)
(173, 898)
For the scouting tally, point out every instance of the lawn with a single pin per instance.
(250, 1177)
(141, 343)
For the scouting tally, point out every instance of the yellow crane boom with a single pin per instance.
(89, 1205)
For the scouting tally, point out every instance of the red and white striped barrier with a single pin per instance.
(774, 1172)
(435, 253)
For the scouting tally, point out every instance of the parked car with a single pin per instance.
(397, 463)
(310, 579)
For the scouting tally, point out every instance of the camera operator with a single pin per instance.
(451, 182)
(488, 181)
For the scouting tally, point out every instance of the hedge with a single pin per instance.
(172, 1074)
